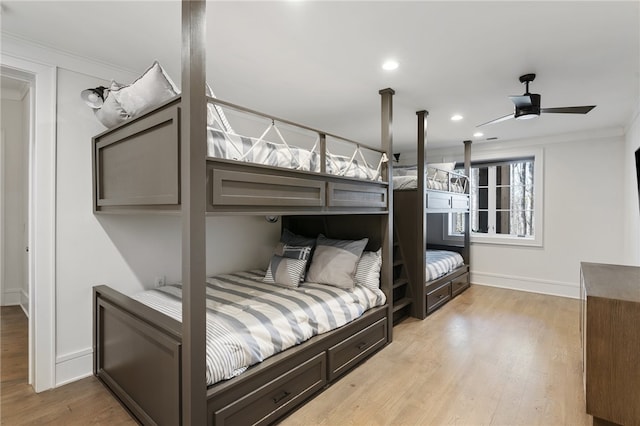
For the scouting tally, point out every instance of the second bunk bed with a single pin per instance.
(428, 269)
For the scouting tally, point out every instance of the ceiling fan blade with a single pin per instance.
(569, 110)
(521, 101)
(497, 120)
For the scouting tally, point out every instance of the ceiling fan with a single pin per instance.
(528, 105)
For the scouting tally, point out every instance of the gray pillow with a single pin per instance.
(292, 239)
(334, 261)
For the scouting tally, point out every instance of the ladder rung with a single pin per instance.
(401, 304)
(399, 282)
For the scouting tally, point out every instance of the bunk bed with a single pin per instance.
(163, 161)
(428, 270)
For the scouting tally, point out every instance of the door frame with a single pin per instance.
(42, 216)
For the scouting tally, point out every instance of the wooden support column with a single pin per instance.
(192, 195)
(386, 274)
(419, 307)
(467, 220)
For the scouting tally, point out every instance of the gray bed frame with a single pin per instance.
(157, 163)
(411, 208)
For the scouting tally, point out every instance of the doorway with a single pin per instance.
(16, 122)
(40, 232)
(14, 153)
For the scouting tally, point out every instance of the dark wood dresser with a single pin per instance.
(610, 328)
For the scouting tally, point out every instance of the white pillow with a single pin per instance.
(368, 269)
(151, 89)
(443, 166)
(111, 113)
(440, 174)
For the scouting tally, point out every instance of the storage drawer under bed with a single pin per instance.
(438, 296)
(276, 397)
(349, 352)
(459, 284)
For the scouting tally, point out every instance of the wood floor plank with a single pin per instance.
(489, 357)
(84, 402)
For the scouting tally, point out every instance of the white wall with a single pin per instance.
(125, 252)
(583, 215)
(14, 181)
(631, 204)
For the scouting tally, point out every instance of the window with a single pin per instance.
(506, 201)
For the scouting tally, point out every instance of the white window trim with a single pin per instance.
(538, 210)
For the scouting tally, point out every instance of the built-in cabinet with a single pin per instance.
(610, 331)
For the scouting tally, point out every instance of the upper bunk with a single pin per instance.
(432, 187)
(261, 165)
(446, 189)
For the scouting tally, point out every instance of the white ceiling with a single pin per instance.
(319, 63)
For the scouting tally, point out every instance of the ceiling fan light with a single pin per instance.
(527, 116)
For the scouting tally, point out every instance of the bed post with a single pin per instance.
(192, 187)
(466, 254)
(419, 307)
(387, 222)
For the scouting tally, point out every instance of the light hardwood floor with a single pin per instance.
(489, 357)
(85, 402)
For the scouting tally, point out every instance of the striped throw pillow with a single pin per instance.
(368, 269)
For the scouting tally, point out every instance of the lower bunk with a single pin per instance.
(292, 343)
(446, 276)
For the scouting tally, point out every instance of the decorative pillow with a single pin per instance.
(111, 113)
(285, 271)
(151, 89)
(368, 269)
(284, 251)
(334, 261)
(292, 239)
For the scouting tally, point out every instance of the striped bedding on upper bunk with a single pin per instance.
(249, 320)
(441, 262)
(241, 148)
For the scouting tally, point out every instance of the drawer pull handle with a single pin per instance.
(280, 397)
(440, 296)
(361, 346)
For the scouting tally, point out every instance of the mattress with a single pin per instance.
(232, 146)
(249, 320)
(441, 262)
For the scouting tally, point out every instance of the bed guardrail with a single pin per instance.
(242, 134)
(447, 180)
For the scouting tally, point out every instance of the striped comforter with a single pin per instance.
(241, 148)
(441, 262)
(249, 320)
(411, 182)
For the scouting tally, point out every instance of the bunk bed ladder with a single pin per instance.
(402, 298)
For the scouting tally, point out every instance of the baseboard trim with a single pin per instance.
(11, 297)
(24, 302)
(532, 285)
(74, 366)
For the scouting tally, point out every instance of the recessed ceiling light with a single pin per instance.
(390, 65)
(456, 117)
(478, 134)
